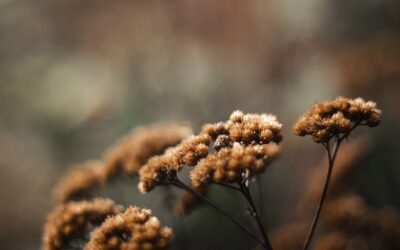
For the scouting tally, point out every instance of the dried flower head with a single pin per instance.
(79, 181)
(247, 129)
(134, 150)
(230, 165)
(328, 119)
(135, 229)
(74, 220)
(164, 168)
(254, 128)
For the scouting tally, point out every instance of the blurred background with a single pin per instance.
(77, 75)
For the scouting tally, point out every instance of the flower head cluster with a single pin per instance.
(79, 181)
(254, 128)
(328, 119)
(134, 150)
(135, 229)
(164, 168)
(231, 165)
(72, 220)
(246, 129)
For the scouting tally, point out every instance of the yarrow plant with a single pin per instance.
(330, 123)
(230, 154)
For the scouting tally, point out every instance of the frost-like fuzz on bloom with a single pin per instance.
(135, 229)
(246, 129)
(328, 119)
(254, 128)
(164, 168)
(231, 165)
(79, 181)
(75, 219)
(135, 149)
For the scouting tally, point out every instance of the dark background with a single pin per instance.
(77, 75)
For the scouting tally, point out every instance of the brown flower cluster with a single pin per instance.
(135, 229)
(79, 181)
(350, 213)
(328, 119)
(126, 157)
(164, 168)
(230, 165)
(133, 150)
(74, 219)
(254, 128)
(246, 129)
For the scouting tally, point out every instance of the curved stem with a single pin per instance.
(182, 185)
(331, 159)
(260, 195)
(266, 244)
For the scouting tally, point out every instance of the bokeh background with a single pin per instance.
(76, 75)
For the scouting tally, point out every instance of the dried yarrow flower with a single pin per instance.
(135, 229)
(79, 181)
(254, 128)
(231, 165)
(248, 129)
(164, 168)
(74, 220)
(134, 150)
(328, 119)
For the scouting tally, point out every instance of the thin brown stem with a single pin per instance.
(246, 192)
(182, 185)
(332, 153)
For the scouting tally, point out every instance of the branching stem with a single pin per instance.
(332, 153)
(246, 193)
(182, 185)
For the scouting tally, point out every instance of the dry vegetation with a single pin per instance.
(231, 155)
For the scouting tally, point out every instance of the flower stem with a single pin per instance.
(182, 185)
(246, 192)
(331, 159)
